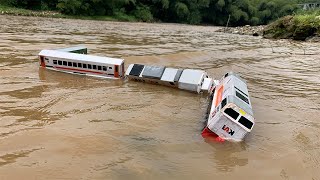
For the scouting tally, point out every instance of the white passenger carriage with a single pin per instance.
(231, 115)
(186, 79)
(82, 64)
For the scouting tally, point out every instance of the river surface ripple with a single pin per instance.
(60, 126)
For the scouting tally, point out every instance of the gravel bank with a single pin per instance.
(244, 30)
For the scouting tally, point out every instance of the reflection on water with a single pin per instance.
(11, 158)
(57, 125)
(224, 155)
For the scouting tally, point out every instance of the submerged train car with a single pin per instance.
(82, 64)
(185, 79)
(75, 49)
(231, 115)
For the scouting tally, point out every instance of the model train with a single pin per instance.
(230, 115)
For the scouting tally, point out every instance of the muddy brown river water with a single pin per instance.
(60, 126)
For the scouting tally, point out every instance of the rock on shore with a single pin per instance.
(244, 30)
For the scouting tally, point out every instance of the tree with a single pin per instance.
(217, 12)
(69, 6)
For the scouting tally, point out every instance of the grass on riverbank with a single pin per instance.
(297, 27)
(24, 12)
(6, 10)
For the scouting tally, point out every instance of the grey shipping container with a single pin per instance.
(191, 80)
(136, 70)
(153, 72)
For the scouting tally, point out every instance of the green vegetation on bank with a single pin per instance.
(289, 22)
(4, 9)
(27, 12)
(299, 27)
(216, 12)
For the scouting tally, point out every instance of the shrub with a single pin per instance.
(143, 13)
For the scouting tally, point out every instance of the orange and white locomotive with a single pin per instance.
(231, 116)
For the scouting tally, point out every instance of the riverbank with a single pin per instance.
(5, 10)
(298, 27)
(244, 30)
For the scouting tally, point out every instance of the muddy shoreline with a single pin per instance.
(262, 31)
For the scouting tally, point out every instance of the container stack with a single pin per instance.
(185, 79)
